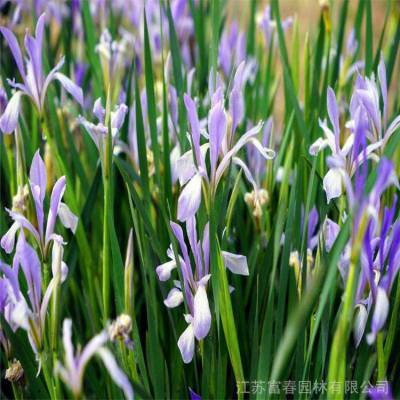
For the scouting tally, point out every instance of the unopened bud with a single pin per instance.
(20, 199)
(14, 372)
(121, 328)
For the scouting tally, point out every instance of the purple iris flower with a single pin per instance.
(98, 131)
(35, 83)
(232, 48)
(30, 314)
(344, 160)
(367, 93)
(195, 280)
(191, 166)
(38, 182)
(72, 371)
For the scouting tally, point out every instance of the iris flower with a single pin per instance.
(38, 182)
(35, 83)
(74, 364)
(194, 289)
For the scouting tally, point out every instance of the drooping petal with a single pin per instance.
(117, 375)
(236, 263)
(67, 217)
(8, 239)
(74, 90)
(380, 314)
(17, 217)
(202, 314)
(90, 349)
(9, 119)
(333, 184)
(186, 344)
(164, 270)
(174, 298)
(190, 198)
(317, 146)
(55, 201)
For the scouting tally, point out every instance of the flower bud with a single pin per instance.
(121, 328)
(15, 372)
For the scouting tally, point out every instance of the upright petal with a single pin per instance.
(217, 124)
(381, 311)
(236, 263)
(360, 322)
(194, 124)
(190, 198)
(333, 113)
(67, 343)
(15, 49)
(55, 201)
(202, 314)
(9, 119)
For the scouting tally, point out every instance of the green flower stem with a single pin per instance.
(106, 250)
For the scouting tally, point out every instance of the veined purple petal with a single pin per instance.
(236, 263)
(9, 119)
(17, 217)
(30, 264)
(186, 344)
(330, 231)
(117, 375)
(15, 49)
(8, 239)
(74, 90)
(190, 198)
(360, 321)
(55, 201)
(217, 124)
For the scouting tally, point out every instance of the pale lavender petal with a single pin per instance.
(186, 344)
(67, 343)
(98, 110)
(174, 298)
(55, 201)
(333, 113)
(217, 124)
(330, 231)
(74, 90)
(190, 198)
(30, 264)
(236, 263)
(9, 119)
(118, 116)
(332, 184)
(67, 217)
(202, 314)
(15, 49)
(25, 223)
(317, 146)
(383, 83)
(380, 314)
(164, 270)
(90, 349)
(195, 126)
(360, 321)
(117, 375)
(8, 239)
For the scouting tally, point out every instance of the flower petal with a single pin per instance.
(186, 344)
(55, 201)
(74, 90)
(67, 217)
(164, 270)
(8, 239)
(190, 198)
(236, 263)
(202, 314)
(174, 298)
(9, 119)
(333, 184)
(381, 311)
